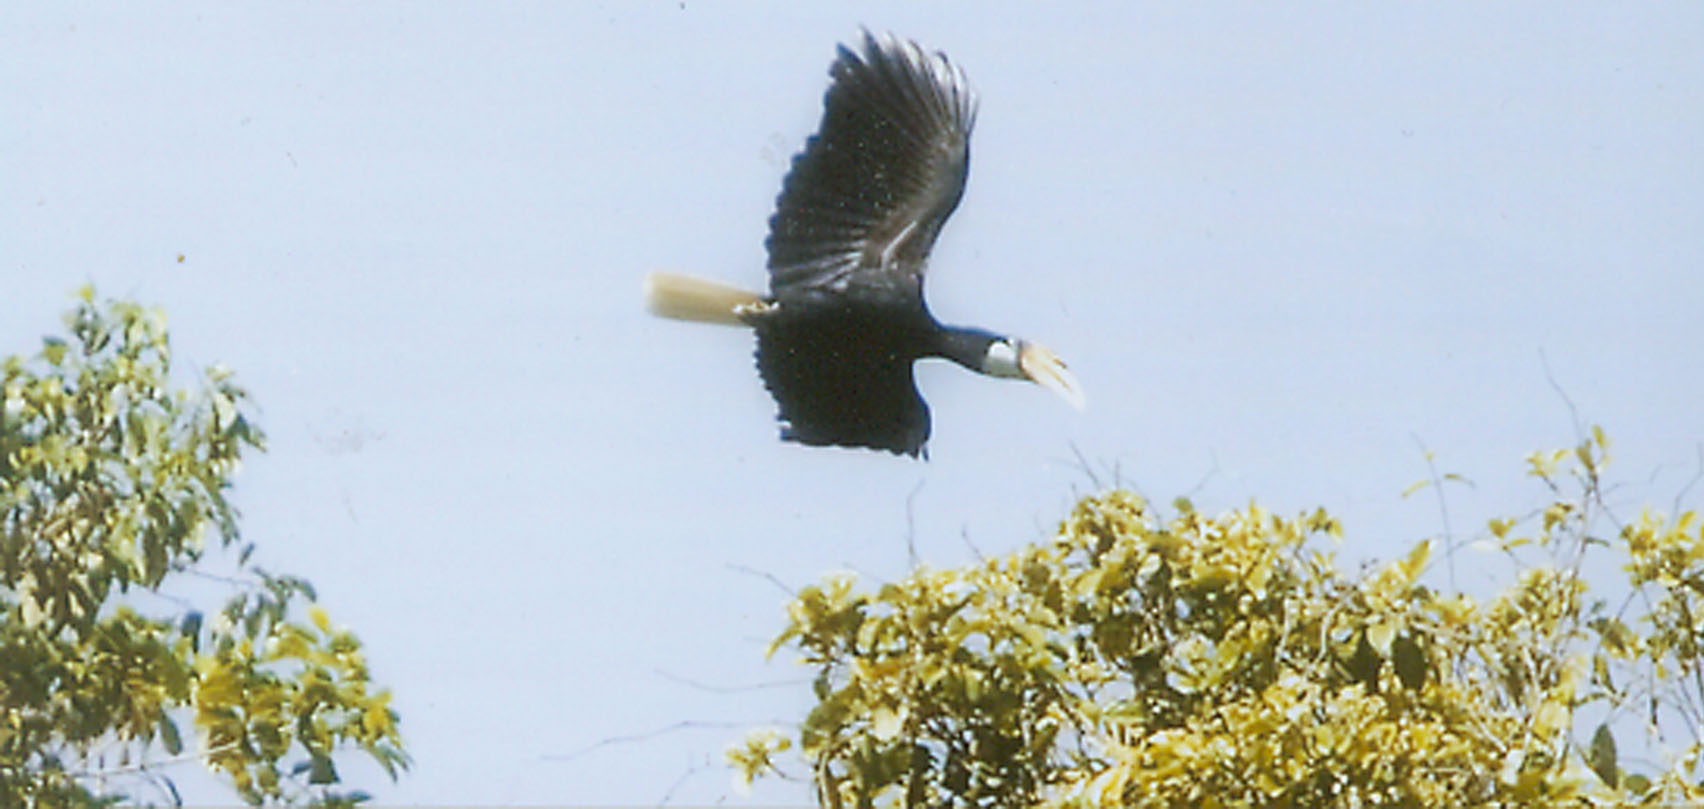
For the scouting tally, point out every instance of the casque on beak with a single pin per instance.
(1044, 368)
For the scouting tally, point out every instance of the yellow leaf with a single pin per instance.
(1380, 635)
(1416, 560)
(319, 618)
(1454, 610)
(886, 722)
(1511, 768)
(1552, 716)
(1517, 542)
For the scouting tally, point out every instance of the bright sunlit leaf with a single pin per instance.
(1380, 635)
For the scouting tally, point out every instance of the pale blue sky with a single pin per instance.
(1276, 245)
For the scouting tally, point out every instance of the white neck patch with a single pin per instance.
(1002, 359)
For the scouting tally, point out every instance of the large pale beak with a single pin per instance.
(1044, 368)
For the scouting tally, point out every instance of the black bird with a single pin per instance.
(853, 226)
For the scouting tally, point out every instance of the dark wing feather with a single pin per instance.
(863, 203)
(842, 376)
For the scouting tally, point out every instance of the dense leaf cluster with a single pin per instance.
(112, 484)
(1225, 660)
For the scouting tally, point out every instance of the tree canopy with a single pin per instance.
(1203, 660)
(113, 485)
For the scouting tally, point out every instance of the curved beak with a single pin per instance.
(1044, 368)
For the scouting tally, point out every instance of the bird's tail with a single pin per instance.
(682, 297)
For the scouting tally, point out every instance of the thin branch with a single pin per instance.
(864, 575)
(911, 525)
(1211, 473)
(1680, 496)
(1085, 467)
(727, 689)
(1687, 619)
(179, 601)
(690, 771)
(964, 535)
(770, 577)
(645, 736)
(1443, 507)
(148, 766)
(1573, 412)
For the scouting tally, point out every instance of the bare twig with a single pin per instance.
(911, 526)
(1084, 465)
(676, 785)
(1573, 412)
(727, 689)
(148, 766)
(1680, 496)
(762, 574)
(964, 534)
(1443, 507)
(1211, 473)
(645, 736)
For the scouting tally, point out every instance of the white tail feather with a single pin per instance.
(682, 297)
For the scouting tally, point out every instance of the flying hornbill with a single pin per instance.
(853, 226)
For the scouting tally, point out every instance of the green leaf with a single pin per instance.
(1365, 663)
(1415, 563)
(53, 350)
(169, 736)
(1410, 661)
(322, 771)
(1602, 756)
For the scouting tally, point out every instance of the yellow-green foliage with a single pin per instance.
(112, 480)
(1224, 660)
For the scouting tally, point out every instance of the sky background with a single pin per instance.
(1281, 247)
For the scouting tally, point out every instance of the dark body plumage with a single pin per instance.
(853, 227)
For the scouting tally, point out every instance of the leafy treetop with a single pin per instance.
(1223, 660)
(113, 482)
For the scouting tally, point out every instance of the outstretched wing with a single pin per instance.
(861, 207)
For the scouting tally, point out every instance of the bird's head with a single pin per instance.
(1020, 359)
